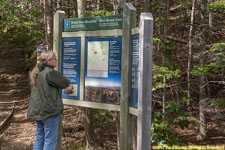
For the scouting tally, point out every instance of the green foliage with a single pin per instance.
(210, 70)
(163, 123)
(217, 6)
(218, 47)
(26, 33)
(162, 133)
(202, 70)
(157, 41)
(161, 42)
(159, 73)
(186, 99)
(17, 23)
(98, 13)
(217, 66)
(219, 103)
(15, 19)
(101, 118)
(191, 119)
(154, 6)
(182, 2)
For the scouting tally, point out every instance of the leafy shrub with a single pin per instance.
(161, 130)
(217, 6)
(160, 72)
(219, 103)
(216, 66)
(101, 118)
(18, 23)
(98, 13)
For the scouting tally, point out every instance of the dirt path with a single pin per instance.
(15, 87)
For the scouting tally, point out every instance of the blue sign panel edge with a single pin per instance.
(134, 71)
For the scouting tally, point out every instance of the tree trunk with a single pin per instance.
(45, 20)
(210, 17)
(48, 19)
(75, 9)
(147, 3)
(81, 4)
(117, 6)
(190, 52)
(165, 32)
(202, 91)
(68, 7)
(57, 5)
(98, 5)
(89, 129)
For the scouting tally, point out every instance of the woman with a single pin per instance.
(45, 104)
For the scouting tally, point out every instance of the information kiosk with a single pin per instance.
(109, 64)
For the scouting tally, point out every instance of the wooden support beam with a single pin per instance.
(145, 83)
(57, 48)
(129, 21)
(57, 37)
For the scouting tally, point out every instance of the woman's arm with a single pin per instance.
(55, 79)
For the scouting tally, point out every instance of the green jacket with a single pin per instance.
(45, 99)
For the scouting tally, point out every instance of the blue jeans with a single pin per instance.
(46, 133)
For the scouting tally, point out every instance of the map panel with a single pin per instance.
(97, 60)
(103, 69)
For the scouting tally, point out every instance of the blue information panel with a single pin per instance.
(71, 53)
(103, 69)
(134, 70)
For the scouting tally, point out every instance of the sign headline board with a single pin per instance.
(93, 23)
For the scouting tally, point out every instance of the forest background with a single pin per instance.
(188, 57)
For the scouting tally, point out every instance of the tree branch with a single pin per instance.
(177, 39)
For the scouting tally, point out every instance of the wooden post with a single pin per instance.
(57, 37)
(145, 83)
(129, 21)
(57, 48)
